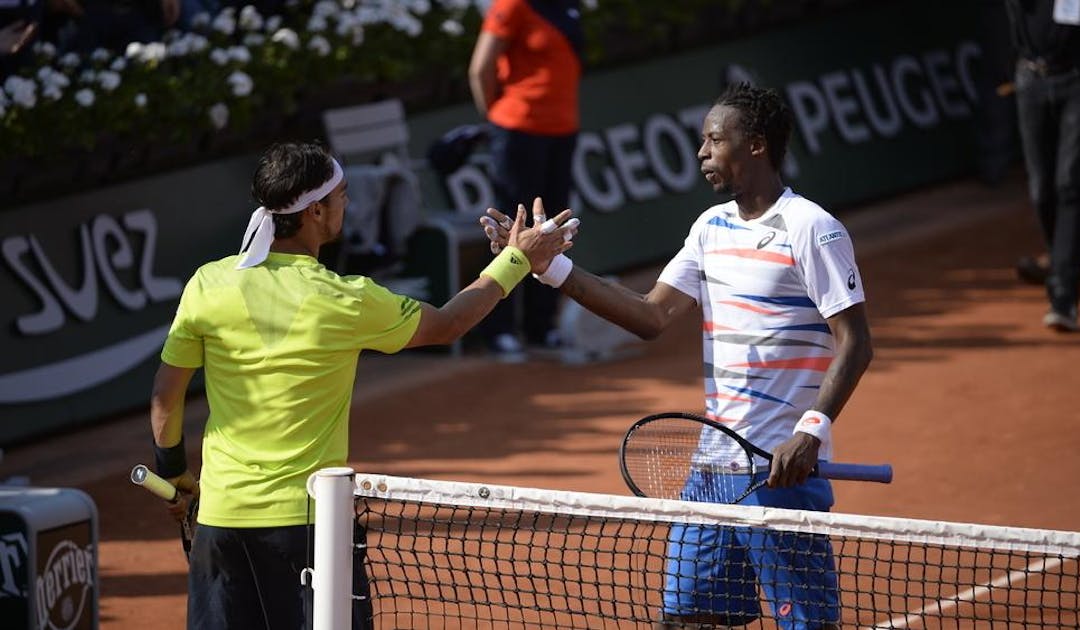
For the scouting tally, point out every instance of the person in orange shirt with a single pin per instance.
(524, 77)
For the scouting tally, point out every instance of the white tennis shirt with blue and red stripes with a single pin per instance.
(766, 287)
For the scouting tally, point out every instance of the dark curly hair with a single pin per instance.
(285, 171)
(763, 113)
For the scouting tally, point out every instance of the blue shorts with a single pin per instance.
(715, 571)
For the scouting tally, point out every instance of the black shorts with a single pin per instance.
(250, 578)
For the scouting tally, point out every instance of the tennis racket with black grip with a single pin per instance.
(143, 476)
(660, 454)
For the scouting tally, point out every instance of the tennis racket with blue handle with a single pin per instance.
(688, 457)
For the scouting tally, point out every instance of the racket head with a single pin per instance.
(684, 456)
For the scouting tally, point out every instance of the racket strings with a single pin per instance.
(683, 459)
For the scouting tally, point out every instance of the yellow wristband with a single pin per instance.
(508, 268)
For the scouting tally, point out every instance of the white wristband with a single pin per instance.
(818, 425)
(556, 273)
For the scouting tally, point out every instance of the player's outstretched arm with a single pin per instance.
(644, 315)
(531, 250)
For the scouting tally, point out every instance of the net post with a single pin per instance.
(331, 581)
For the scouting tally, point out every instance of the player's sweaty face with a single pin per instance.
(722, 149)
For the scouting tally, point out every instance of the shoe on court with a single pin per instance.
(1061, 322)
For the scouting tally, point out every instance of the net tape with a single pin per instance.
(456, 555)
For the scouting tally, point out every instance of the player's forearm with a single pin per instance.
(166, 421)
(847, 367)
(615, 303)
(483, 85)
(446, 324)
(167, 404)
(466, 309)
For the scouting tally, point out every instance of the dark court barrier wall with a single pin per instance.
(883, 99)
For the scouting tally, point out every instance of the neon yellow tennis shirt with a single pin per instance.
(279, 344)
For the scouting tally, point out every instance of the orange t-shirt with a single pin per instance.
(538, 73)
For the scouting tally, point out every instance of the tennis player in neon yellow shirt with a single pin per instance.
(278, 336)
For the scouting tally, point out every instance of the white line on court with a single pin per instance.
(968, 596)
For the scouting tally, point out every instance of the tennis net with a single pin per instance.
(445, 554)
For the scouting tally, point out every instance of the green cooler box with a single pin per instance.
(48, 559)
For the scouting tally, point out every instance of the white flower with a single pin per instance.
(219, 115)
(23, 91)
(52, 92)
(48, 75)
(45, 49)
(421, 7)
(250, 20)
(85, 97)
(590, 5)
(367, 15)
(219, 56)
(140, 100)
(405, 22)
(118, 65)
(240, 83)
(133, 50)
(349, 25)
(197, 42)
(108, 81)
(319, 45)
(179, 47)
(452, 27)
(326, 8)
(273, 23)
(254, 40)
(70, 60)
(153, 52)
(200, 20)
(224, 23)
(239, 54)
(100, 54)
(316, 24)
(288, 38)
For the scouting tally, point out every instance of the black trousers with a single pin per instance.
(1049, 110)
(249, 579)
(525, 166)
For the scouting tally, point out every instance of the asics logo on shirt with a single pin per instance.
(766, 240)
(851, 279)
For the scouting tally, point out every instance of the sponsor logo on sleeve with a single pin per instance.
(825, 239)
(851, 279)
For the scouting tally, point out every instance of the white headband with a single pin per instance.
(260, 229)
